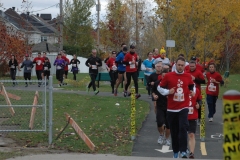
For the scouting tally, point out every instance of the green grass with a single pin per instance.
(107, 125)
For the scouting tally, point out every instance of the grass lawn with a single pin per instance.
(106, 124)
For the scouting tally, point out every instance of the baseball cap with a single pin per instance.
(193, 58)
(132, 47)
(26, 55)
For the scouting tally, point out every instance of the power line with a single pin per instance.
(46, 8)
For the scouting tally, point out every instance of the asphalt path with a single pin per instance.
(145, 144)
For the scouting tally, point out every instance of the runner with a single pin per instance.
(13, 65)
(64, 57)
(148, 70)
(198, 79)
(194, 105)
(75, 62)
(39, 67)
(155, 53)
(121, 69)
(46, 69)
(131, 62)
(162, 58)
(164, 137)
(179, 85)
(212, 89)
(60, 64)
(44, 55)
(174, 66)
(28, 65)
(93, 63)
(112, 69)
(198, 66)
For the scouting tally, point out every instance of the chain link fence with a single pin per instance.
(22, 105)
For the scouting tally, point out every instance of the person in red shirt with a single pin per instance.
(212, 89)
(194, 105)
(64, 57)
(198, 79)
(39, 61)
(131, 61)
(198, 66)
(178, 86)
(112, 69)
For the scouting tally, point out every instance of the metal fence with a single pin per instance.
(23, 108)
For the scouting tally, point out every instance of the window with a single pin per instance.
(43, 38)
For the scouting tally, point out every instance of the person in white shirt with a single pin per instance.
(174, 66)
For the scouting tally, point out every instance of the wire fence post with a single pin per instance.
(50, 110)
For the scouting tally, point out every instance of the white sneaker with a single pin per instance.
(198, 122)
(210, 119)
(160, 139)
(168, 142)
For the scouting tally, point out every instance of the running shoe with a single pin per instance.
(87, 89)
(137, 96)
(160, 139)
(26, 85)
(96, 92)
(168, 142)
(115, 92)
(150, 97)
(59, 85)
(125, 94)
(183, 155)
(210, 119)
(191, 156)
(198, 122)
(175, 155)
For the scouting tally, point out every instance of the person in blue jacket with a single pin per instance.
(147, 67)
(121, 68)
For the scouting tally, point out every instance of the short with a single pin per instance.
(46, 73)
(192, 126)
(121, 72)
(66, 72)
(162, 118)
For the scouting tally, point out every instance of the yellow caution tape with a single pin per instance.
(133, 114)
(202, 126)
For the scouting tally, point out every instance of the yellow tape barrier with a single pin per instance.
(133, 114)
(202, 126)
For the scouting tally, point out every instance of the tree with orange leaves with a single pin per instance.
(12, 42)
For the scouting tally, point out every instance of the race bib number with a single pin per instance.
(12, 66)
(45, 68)
(74, 65)
(132, 66)
(59, 67)
(29, 68)
(94, 67)
(114, 68)
(179, 96)
(212, 88)
(190, 110)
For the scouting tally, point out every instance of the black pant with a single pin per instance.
(93, 79)
(59, 75)
(148, 87)
(74, 75)
(114, 76)
(134, 76)
(13, 74)
(178, 123)
(211, 101)
(39, 74)
(27, 76)
(47, 74)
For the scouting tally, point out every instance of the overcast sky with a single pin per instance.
(40, 6)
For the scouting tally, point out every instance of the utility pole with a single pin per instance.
(98, 8)
(137, 34)
(61, 26)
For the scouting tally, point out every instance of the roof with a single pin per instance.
(37, 23)
(46, 17)
(40, 47)
(18, 21)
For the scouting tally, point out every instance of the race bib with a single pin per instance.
(114, 68)
(29, 68)
(74, 65)
(94, 67)
(124, 65)
(211, 87)
(132, 66)
(150, 69)
(12, 66)
(45, 68)
(190, 110)
(59, 67)
(38, 62)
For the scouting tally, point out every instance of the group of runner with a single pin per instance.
(175, 90)
(43, 66)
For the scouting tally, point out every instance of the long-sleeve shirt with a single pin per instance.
(39, 63)
(130, 67)
(74, 63)
(147, 67)
(28, 65)
(13, 64)
(91, 61)
(47, 66)
(59, 63)
(212, 87)
(119, 61)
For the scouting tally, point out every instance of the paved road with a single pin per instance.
(145, 144)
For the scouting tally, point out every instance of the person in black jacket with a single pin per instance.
(93, 63)
(75, 62)
(46, 69)
(161, 106)
(13, 64)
